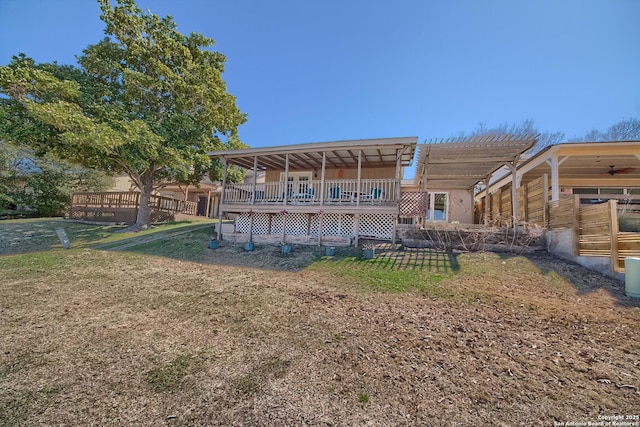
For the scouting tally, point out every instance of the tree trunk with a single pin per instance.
(143, 221)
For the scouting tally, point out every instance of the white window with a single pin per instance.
(298, 182)
(438, 207)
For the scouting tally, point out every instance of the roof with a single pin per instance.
(339, 154)
(462, 163)
(583, 160)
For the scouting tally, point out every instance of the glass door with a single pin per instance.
(438, 207)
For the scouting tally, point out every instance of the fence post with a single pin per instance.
(576, 226)
(613, 218)
(545, 197)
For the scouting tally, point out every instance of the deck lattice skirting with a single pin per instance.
(379, 226)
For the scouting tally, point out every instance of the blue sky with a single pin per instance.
(307, 71)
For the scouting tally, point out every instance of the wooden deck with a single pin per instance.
(122, 207)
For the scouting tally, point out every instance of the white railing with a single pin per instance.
(338, 191)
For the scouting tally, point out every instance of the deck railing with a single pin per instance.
(101, 201)
(341, 191)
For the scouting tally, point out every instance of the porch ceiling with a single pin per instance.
(610, 161)
(462, 163)
(339, 154)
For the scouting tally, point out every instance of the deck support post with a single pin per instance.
(255, 180)
(358, 183)
(224, 184)
(356, 228)
(322, 177)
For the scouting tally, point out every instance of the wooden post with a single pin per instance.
(514, 191)
(286, 196)
(255, 179)
(398, 178)
(286, 179)
(358, 184)
(613, 218)
(322, 179)
(545, 198)
(393, 233)
(356, 227)
(284, 227)
(487, 201)
(208, 204)
(319, 230)
(555, 177)
(224, 184)
(576, 226)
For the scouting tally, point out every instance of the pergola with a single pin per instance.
(461, 163)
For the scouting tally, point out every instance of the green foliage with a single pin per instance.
(146, 100)
(363, 398)
(41, 186)
(169, 377)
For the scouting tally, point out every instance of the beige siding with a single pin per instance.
(367, 173)
(460, 205)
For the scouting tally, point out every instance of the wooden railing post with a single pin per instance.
(613, 218)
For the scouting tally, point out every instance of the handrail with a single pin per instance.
(336, 191)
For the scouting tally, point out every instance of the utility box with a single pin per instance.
(632, 277)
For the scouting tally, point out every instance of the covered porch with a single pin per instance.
(333, 192)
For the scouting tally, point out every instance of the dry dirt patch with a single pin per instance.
(121, 338)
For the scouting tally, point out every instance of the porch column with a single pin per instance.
(253, 196)
(286, 196)
(545, 196)
(399, 153)
(555, 176)
(487, 201)
(358, 185)
(514, 190)
(286, 178)
(255, 179)
(398, 178)
(322, 177)
(224, 184)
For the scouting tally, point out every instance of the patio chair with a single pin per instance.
(335, 193)
(376, 194)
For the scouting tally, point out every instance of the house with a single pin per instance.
(451, 170)
(586, 196)
(200, 200)
(316, 193)
(596, 171)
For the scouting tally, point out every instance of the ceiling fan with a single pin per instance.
(613, 171)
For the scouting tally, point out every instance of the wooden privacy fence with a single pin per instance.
(532, 208)
(596, 230)
(122, 207)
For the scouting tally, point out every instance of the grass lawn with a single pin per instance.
(168, 332)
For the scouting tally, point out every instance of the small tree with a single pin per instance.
(624, 130)
(526, 127)
(146, 100)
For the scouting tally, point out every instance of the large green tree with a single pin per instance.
(146, 100)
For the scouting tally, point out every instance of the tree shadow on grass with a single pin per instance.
(395, 257)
